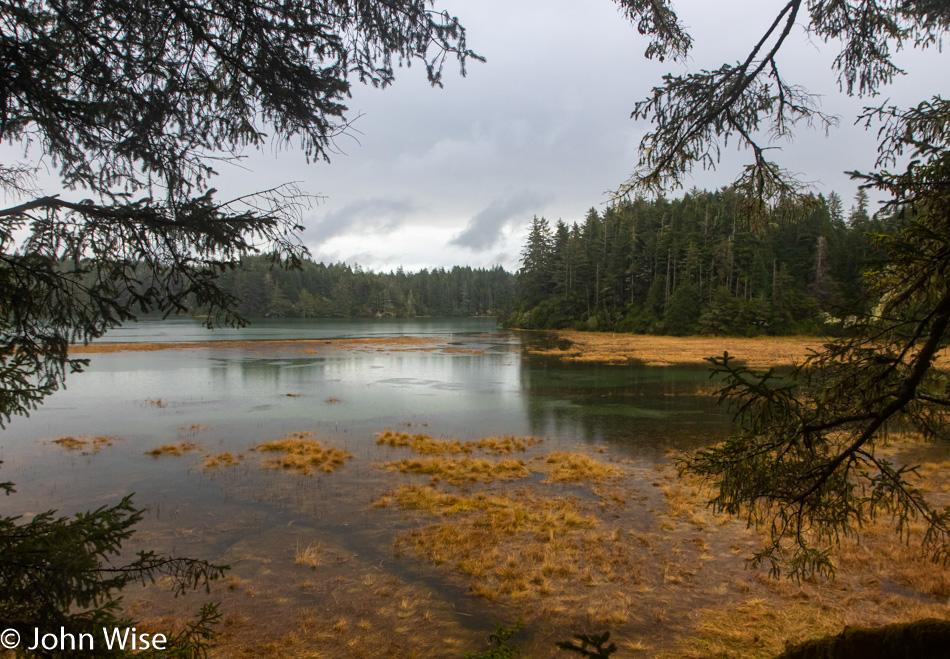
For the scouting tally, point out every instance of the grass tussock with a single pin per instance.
(426, 445)
(463, 470)
(420, 443)
(173, 449)
(505, 445)
(223, 460)
(503, 514)
(561, 467)
(85, 444)
(298, 452)
(309, 555)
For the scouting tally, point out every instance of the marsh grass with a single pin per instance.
(562, 466)
(426, 445)
(612, 348)
(505, 445)
(85, 444)
(462, 470)
(298, 452)
(639, 554)
(518, 546)
(421, 443)
(309, 555)
(181, 448)
(222, 460)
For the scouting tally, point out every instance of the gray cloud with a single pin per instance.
(484, 229)
(379, 214)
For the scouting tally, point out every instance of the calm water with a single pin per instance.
(473, 384)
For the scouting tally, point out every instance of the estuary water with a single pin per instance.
(463, 380)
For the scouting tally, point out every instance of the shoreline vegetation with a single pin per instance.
(570, 346)
(574, 346)
(652, 350)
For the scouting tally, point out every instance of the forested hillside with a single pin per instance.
(338, 290)
(691, 265)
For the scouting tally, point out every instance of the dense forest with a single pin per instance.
(341, 291)
(691, 265)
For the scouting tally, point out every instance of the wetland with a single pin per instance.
(394, 488)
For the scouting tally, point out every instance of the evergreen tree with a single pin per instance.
(805, 463)
(134, 102)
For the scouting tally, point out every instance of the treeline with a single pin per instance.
(691, 265)
(341, 291)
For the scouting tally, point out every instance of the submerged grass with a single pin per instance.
(426, 445)
(300, 453)
(173, 449)
(85, 444)
(222, 460)
(636, 552)
(309, 555)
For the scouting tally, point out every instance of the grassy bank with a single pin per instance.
(650, 350)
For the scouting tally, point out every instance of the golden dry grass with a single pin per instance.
(505, 445)
(649, 562)
(420, 443)
(562, 466)
(427, 445)
(173, 449)
(520, 546)
(762, 352)
(462, 470)
(222, 460)
(300, 453)
(85, 444)
(309, 555)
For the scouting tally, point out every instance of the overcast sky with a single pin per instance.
(439, 177)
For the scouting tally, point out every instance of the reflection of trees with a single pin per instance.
(644, 408)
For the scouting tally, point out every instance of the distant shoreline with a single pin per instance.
(404, 342)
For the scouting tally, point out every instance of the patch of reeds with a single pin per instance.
(420, 443)
(85, 444)
(462, 470)
(505, 445)
(298, 452)
(173, 449)
(562, 466)
(309, 555)
(222, 460)
(426, 445)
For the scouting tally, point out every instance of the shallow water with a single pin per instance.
(473, 384)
